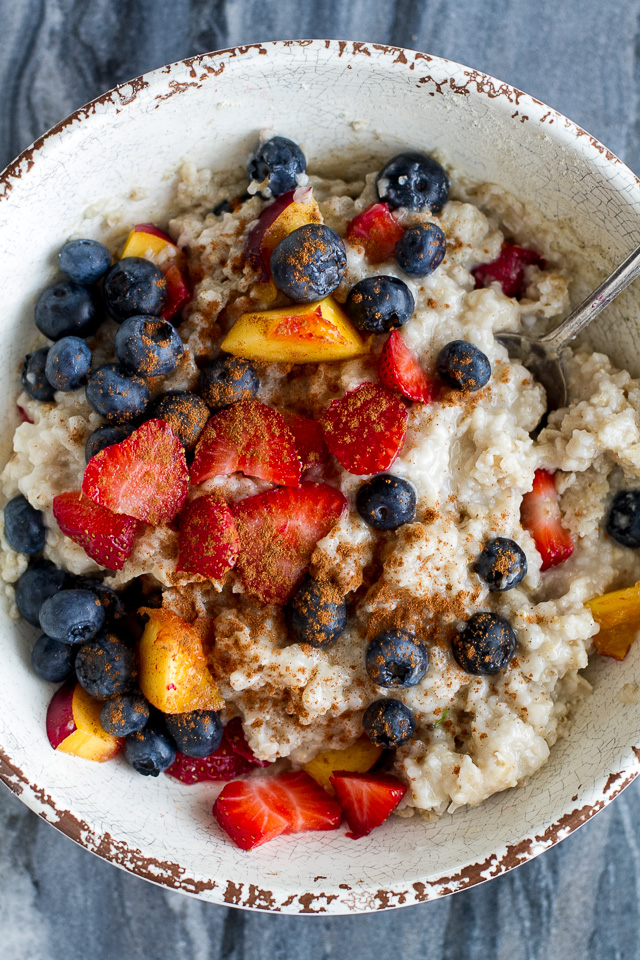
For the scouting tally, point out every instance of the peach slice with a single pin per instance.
(73, 725)
(358, 758)
(145, 238)
(172, 668)
(618, 614)
(300, 333)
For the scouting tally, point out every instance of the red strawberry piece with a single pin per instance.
(224, 764)
(253, 244)
(399, 370)
(308, 438)
(254, 811)
(208, 541)
(144, 476)
(235, 736)
(365, 430)
(250, 437)
(178, 292)
(540, 515)
(24, 416)
(367, 799)
(278, 532)
(106, 537)
(377, 230)
(508, 269)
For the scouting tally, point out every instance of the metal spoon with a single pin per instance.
(542, 355)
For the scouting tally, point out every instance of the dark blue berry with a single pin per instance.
(105, 667)
(186, 413)
(106, 437)
(317, 613)
(24, 527)
(386, 502)
(124, 714)
(380, 304)
(396, 658)
(72, 616)
(134, 286)
(33, 378)
(148, 346)
(108, 597)
(116, 395)
(415, 181)
(278, 161)
(502, 564)
(388, 723)
(463, 366)
(84, 261)
(196, 734)
(623, 522)
(486, 645)
(52, 660)
(421, 249)
(68, 364)
(309, 263)
(149, 752)
(230, 205)
(227, 380)
(67, 309)
(40, 581)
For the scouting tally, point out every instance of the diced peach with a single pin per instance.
(73, 725)
(360, 757)
(618, 614)
(145, 238)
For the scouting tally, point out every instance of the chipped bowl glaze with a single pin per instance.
(343, 102)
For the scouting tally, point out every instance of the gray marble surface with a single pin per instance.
(578, 901)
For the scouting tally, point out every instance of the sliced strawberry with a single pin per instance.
(235, 736)
(399, 370)
(508, 269)
(377, 230)
(144, 476)
(224, 764)
(365, 430)
(367, 799)
(278, 532)
(540, 515)
(106, 537)
(208, 541)
(249, 437)
(178, 292)
(308, 437)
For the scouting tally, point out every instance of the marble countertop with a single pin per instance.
(578, 900)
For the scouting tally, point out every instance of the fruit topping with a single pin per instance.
(464, 366)
(291, 210)
(360, 757)
(106, 437)
(148, 346)
(117, 395)
(134, 286)
(186, 413)
(367, 799)
(623, 522)
(379, 304)
(178, 292)
(196, 734)
(377, 231)
(386, 502)
(52, 660)
(308, 438)
(68, 364)
(618, 616)
(366, 429)
(67, 309)
(421, 250)
(84, 261)
(399, 370)
(227, 380)
(108, 597)
(105, 667)
(33, 377)
(508, 270)
(40, 581)
(105, 536)
(73, 725)
(149, 752)
(486, 645)
(124, 714)
(502, 564)
(233, 758)
(396, 658)
(309, 263)
(540, 515)
(317, 613)
(415, 181)
(24, 528)
(276, 166)
(208, 542)
(72, 616)
(388, 723)
(234, 735)
(147, 241)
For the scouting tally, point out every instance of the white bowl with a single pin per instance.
(342, 101)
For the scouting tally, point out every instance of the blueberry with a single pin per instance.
(24, 527)
(463, 366)
(84, 261)
(196, 734)
(106, 437)
(52, 660)
(388, 723)
(33, 378)
(105, 667)
(317, 613)
(230, 205)
(68, 364)
(386, 502)
(40, 581)
(115, 394)
(396, 658)
(108, 597)
(67, 309)
(623, 522)
(227, 380)
(72, 616)
(186, 413)
(380, 304)
(148, 346)
(421, 249)
(134, 286)
(486, 645)
(309, 263)
(415, 181)
(278, 161)
(502, 564)
(149, 752)
(124, 714)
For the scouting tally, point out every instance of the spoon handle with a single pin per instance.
(591, 306)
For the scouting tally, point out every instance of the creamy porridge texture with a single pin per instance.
(468, 454)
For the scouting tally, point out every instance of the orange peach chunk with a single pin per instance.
(358, 758)
(618, 614)
(73, 726)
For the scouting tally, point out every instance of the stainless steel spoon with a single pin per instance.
(542, 355)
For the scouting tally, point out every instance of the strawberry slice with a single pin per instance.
(144, 476)
(249, 437)
(377, 230)
(208, 541)
(540, 515)
(365, 430)
(178, 292)
(508, 269)
(224, 764)
(278, 532)
(309, 441)
(104, 536)
(235, 736)
(399, 370)
(254, 811)
(367, 799)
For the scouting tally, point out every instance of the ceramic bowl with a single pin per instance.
(344, 102)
